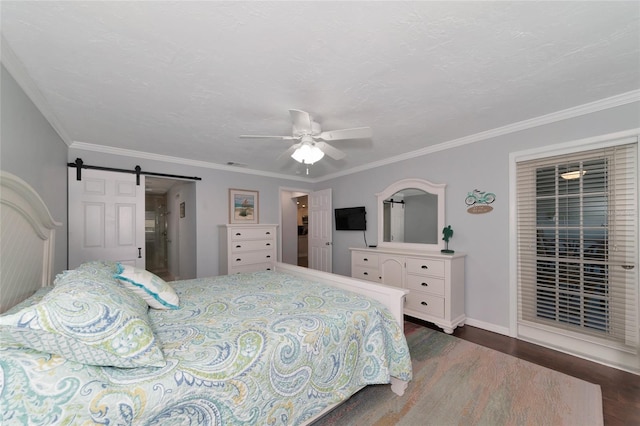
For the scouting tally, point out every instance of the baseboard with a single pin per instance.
(487, 326)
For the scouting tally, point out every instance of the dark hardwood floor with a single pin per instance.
(620, 389)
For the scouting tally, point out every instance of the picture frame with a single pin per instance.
(243, 206)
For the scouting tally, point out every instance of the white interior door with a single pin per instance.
(106, 218)
(320, 230)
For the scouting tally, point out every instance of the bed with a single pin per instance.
(274, 347)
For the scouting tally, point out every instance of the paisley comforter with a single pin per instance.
(250, 349)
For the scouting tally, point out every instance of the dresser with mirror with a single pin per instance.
(411, 217)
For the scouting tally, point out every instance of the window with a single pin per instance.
(577, 246)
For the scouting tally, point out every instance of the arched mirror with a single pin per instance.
(411, 215)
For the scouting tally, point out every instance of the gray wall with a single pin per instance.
(211, 195)
(484, 237)
(32, 150)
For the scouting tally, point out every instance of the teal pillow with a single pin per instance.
(88, 320)
(153, 289)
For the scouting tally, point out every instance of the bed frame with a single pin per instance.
(27, 236)
(27, 233)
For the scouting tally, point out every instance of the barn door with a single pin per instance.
(106, 218)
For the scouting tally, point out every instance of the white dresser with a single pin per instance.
(247, 248)
(435, 281)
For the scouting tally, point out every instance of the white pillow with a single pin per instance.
(153, 289)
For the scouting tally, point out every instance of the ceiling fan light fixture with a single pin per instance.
(307, 154)
(575, 174)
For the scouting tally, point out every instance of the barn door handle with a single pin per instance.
(139, 252)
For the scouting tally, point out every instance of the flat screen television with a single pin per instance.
(351, 219)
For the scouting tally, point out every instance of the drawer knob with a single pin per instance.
(268, 244)
(425, 267)
(424, 303)
(238, 234)
(425, 284)
(238, 246)
(268, 256)
(268, 233)
(238, 260)
(365, 259)
(366, 273)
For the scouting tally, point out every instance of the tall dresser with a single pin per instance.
(435, 281)
(247, 248)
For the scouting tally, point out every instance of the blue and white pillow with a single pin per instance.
(153, 289)
(89, 320)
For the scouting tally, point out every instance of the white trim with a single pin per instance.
(21, 76)
(589, 108)
(178, 160)
(603, 104)
(487, 326)
(595, 142)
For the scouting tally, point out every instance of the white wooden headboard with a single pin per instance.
(27, 233)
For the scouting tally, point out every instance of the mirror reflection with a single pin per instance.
(411, 216)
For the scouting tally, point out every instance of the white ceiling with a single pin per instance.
(185, 79)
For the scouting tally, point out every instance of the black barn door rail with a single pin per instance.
(79, 165)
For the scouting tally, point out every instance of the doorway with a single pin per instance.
(302, 204)
(306, 228)
(170, 232)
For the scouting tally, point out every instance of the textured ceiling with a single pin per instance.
(185, 79)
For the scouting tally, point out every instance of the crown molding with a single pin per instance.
(19, 73)
(178, 160)
(600, 105)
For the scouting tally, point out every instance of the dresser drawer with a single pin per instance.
(364, 273)
(240, 269)
(425, 267)
(251, 245)
(365, 259)
(426, 284)
(252, 257)
(426, 304)
(252, 234)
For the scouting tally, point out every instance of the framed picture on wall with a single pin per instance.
(243, 206)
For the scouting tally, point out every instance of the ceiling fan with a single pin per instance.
(311, 143)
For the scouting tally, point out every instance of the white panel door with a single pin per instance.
(106, 218)
(320, 229)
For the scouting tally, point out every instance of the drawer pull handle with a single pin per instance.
(425, 284)
(268, 244)
(268, 269)
(238, 260)
(365, 259)
(268, 256)
(238, 246)
(366, 273)
(268, 233)
(425, 267)
(424, 303)
(238, 234)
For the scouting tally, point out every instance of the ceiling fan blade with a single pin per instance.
(284, 138)
(332, 152)
(355, 133)
(301, 121)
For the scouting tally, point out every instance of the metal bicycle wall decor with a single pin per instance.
(478, 201)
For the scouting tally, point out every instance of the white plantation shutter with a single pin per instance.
(577, 245)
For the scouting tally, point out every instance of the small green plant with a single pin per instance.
(447, 233)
